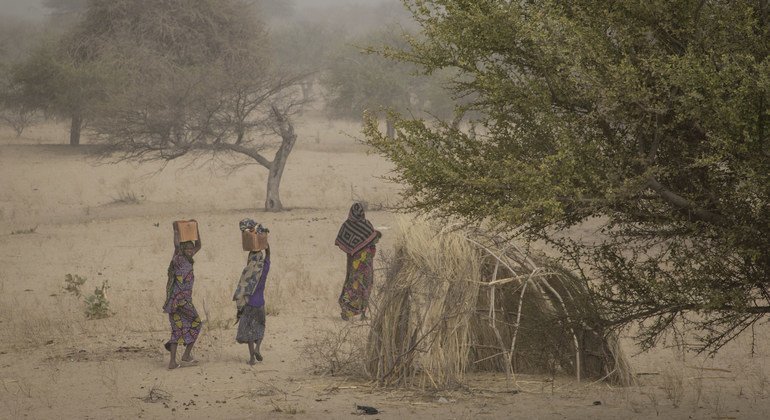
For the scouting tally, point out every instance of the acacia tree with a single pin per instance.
(357, 80)
(53, 80)
(193, 77)
(16, 39)
(13, 109)
(51, 77)
(305, 46)
(647, 117)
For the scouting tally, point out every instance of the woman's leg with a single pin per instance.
(252, 359)
(257, 355)
(187, 356)
(260, 333)
(172, 364)
(191, 327)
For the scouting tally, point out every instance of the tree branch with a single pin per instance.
(237, 148)
(682, 203)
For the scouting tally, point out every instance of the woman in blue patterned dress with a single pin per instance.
(249, 296)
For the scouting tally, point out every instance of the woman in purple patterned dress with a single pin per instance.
(357, 238)
(184, 319)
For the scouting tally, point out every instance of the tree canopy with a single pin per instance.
(52, 79)
(188, 77)
(357, 80)
(645, 118)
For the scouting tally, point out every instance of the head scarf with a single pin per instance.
(250, 224)
(356, 232)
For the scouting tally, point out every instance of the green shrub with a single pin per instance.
(96, 304)
(72, 284)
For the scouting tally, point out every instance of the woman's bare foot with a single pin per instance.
(186, 363)
(258, 357)
(252, 361)
(173, 364)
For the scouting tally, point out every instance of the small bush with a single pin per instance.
(72, 284)
(126, 197)
(337, 352)
(97, 305)
(24, 231)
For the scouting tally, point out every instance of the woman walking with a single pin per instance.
(184, 319)
(249, 296)
(357, 238)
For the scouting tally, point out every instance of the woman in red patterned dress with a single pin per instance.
(357, 238)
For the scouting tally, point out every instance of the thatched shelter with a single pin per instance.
(460, 301)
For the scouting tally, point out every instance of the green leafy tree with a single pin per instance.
(647, 119)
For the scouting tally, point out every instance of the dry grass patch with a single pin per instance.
(337, 352)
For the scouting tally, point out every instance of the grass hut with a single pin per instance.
(460, 301)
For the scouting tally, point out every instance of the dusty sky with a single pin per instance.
(33, 9)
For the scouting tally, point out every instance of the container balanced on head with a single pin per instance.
(249, 294)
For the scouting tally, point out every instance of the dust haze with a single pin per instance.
(66, 211)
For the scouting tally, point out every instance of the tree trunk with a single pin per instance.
(75, 126)
(390, 129)
(286, 129)
(307, 87)
(273, 197)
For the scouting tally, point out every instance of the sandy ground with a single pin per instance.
(62, 212)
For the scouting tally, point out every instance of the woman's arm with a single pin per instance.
(176, 237)
(197, 243)
(348, 264)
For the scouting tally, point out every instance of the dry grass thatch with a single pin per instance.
(454, 302)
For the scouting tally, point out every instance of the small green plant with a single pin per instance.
(72, 284)
(97, 305)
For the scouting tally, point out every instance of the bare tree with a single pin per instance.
(194, 78)
(18, 118)
(205, 116)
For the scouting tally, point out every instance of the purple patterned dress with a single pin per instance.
(184, 319)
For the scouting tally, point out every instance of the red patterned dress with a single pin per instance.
(357, 238)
